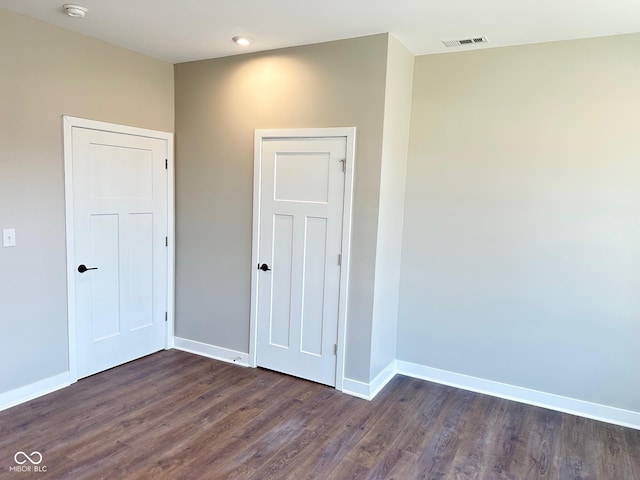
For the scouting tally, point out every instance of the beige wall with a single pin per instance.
(521, 254)
(219, 104)
(48, 72)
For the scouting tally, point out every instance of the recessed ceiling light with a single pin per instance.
(242, 40)
(75, 11)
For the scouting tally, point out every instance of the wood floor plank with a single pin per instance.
(174, 415)
(394, 465)
(287, 455)
(576, 459)
(612, 455)
(476, 439)
(542, 443)
(209, 451)
(386, 429)
(215, 425)
(434, 403)
(139, 410)
(632, 444)
(328, 423)
(94, 397)
(435, 460)
(347, 470)
(345, 427)
(509, 440)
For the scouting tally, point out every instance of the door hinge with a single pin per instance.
(166, 241)
(335, 349)
(166, 164)
(344, 165)
(166, 316)
(340, 259)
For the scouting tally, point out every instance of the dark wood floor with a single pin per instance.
(179, 416)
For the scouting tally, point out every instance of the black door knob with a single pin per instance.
(264, 267)
(83, 268)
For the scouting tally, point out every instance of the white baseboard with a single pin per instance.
(368, 391)
(356, 388)
(617, 416)
(211, 351)
(34, 390)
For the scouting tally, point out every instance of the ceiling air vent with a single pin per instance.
(466, 41)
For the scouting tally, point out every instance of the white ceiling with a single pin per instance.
(183, 30)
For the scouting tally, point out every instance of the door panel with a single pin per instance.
(103, 288)
(313, 285)
(139, 296)
(290, 167)
(301, 210)
(120, 224)
(280, 315)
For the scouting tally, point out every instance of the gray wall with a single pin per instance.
(520, 257)
(521, 254)
(48, 72)
(219, 104)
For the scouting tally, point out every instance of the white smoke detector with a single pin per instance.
(75, 11)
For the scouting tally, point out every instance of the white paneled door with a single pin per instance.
(302, 184)
(119, 247)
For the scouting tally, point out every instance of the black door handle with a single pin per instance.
(264, 267)
(83, 268)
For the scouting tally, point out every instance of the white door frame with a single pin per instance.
(301, 133)
(67, 125)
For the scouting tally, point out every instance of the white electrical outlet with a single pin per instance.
(8, 237)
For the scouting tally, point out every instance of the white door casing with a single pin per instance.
(302, 222)
(119, 207)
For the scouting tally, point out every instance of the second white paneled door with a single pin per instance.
(302, 186)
